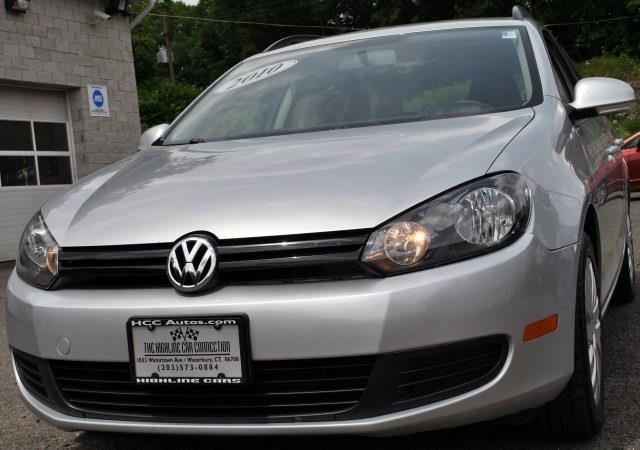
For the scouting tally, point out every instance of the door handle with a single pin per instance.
(616, 147)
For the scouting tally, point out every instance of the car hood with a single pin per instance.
(300, 183)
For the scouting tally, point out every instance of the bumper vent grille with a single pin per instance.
(280, 259)
(281, 390)
(29, 372)
(440, 374)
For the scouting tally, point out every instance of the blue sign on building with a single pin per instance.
(98, 101)
(98, 98)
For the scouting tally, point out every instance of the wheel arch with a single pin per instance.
(591, 228)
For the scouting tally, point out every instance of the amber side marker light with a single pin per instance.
(540, 328)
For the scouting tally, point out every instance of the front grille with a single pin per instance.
(279, 259)
(281, 390)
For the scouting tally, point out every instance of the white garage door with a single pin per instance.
(35, 157)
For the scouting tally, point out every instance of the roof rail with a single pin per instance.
(291, 40)
(520, 13)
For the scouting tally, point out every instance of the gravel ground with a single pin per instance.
(19, 429)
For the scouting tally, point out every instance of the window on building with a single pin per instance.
(34, 154)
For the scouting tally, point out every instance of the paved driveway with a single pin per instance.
(21, 430)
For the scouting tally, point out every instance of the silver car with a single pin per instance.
(377, 233)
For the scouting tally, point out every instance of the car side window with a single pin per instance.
(565, 73)
(632, 144)
(572, 71)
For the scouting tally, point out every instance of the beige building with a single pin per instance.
(68, 101)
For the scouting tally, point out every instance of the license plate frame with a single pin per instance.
(242, 324)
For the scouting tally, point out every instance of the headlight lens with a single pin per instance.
(468, 221)
(38, 254)
(487, 216)
(406, 243)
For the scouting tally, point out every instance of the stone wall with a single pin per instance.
(60, 44)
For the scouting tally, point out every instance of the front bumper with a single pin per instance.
(496, 294)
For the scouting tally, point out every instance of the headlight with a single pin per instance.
(38, 254)
(467, 221)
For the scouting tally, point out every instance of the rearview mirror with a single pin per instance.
(598, 95)
(151, 135)
(367, 58)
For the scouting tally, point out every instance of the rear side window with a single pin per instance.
(389, 79)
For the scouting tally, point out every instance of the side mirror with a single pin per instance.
(151, 135)
(598, 95)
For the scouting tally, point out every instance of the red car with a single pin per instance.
(631, 154)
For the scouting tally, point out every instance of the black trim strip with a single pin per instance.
(284, 245)
(290, 261)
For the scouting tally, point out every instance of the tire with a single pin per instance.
(578, 413)
(625, 291)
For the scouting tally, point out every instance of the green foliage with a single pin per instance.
(161, 100)
(624, 126)
(622, 67)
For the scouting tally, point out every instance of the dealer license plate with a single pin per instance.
(187, 350)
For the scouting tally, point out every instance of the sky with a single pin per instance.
(190, 2)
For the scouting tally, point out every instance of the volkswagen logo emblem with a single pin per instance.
(192, 263)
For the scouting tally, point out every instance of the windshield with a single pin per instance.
(389, 79)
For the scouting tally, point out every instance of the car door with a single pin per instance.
(606, 183)
(631, 154)
(609, 196)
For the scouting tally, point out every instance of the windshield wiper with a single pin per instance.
(190, 141)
